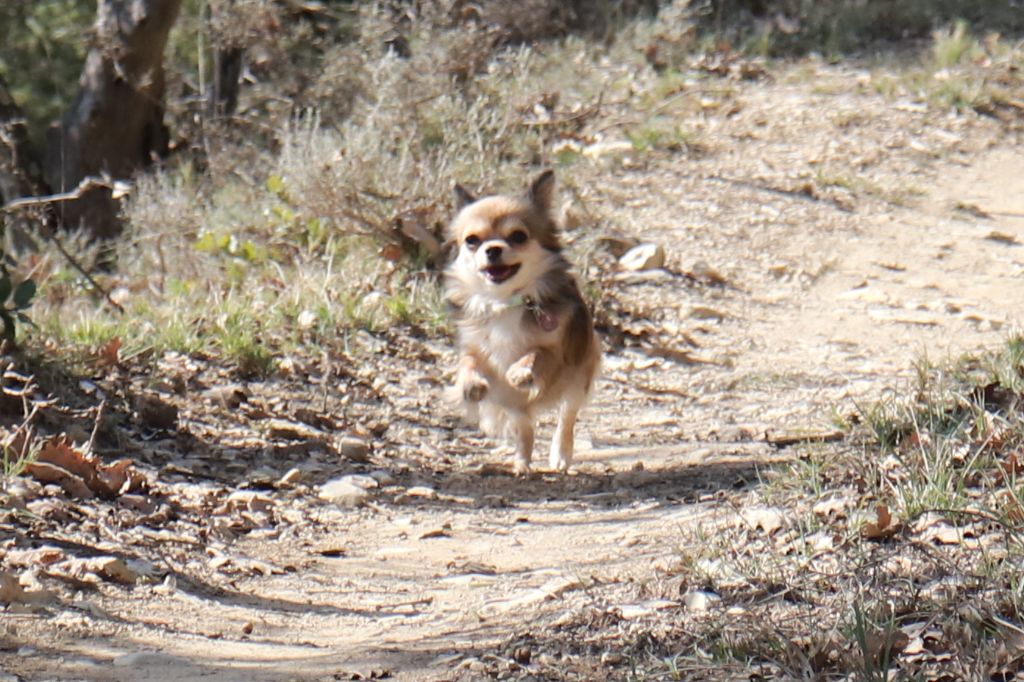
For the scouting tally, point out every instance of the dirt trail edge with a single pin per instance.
(442, 566)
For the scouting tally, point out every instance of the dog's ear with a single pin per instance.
(462, 197)
(542, 192)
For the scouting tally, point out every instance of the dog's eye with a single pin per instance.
(518, 237)
(472, 241)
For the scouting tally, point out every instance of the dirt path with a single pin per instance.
(830, 295)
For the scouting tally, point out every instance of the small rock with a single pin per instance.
(612, 658)
(698, 600)
(435, 533)
(645, 608)
(344, 492)
(355, 449)
(291, 478)
(111, 568)
(247, 628)
(522, 655)
(643, 257)
(289, 430)
(421, 491)
(249, 500)
(382, 477)
(704, 273)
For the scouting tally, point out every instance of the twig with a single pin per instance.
(782, 191)
(85, 273)
(96, 425)
(87, 183)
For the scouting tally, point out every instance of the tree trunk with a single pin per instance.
(115, 125)
(227, 72)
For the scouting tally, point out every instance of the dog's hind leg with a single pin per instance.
(562, 441)
(521, 426)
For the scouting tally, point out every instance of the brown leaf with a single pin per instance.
(73, 485)
(882, 647)
(391, 252)
(1012, 465)
(61, 452)
(883, 528)
(83, 476)
(109, 354)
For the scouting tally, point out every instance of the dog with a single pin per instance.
(526, 337)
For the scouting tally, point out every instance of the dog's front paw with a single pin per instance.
(520, 376)
(559, 463)
(521, 467)
(474, 389)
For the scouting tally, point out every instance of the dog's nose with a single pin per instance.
(493, 254)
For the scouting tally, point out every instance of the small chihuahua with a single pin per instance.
(526, 337)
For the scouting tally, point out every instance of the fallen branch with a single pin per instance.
(119, 188)
(785, 439)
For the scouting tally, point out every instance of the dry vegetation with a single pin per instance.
(300, 239)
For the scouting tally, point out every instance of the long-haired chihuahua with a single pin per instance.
(526, 337)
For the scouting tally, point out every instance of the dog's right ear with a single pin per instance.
(462, 197)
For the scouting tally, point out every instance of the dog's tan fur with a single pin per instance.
(526, 337)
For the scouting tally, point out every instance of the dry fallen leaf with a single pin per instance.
(883, 647)
(883, 528)
(768, 519)
(83, 476)
(109, 354)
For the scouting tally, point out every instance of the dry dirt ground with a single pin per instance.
(821, 240)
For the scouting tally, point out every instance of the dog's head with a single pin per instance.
(504, 242)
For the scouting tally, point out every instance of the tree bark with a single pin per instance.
(227, 72)
(115, 125)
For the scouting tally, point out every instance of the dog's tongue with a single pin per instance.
(499, 273)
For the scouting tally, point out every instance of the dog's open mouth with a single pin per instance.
(500, 273)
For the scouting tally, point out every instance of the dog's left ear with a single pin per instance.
(542, 192)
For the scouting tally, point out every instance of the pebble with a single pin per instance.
(354, 449)
(291, 478)
(422, 491)
(645, 608)
(643, 257)
(382, 477)
(344, 493)
(612, 658)
(698, 600)
(289, 430)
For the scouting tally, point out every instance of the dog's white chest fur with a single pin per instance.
(501, 332)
